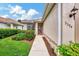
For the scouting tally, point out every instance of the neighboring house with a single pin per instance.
(10, 23)
(20, 24)
(27, 24)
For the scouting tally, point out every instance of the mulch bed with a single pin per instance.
(28, 41)
(50, 50)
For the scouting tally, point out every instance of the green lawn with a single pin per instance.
(9, 47)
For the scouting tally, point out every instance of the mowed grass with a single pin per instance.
(9, 47)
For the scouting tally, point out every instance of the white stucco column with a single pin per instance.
(36, 28)
(11, 26)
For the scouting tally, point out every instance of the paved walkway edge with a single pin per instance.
(38, 48)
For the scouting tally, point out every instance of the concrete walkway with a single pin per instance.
(39, 47)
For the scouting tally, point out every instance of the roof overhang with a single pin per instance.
(48, 9)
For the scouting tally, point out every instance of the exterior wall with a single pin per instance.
(15, 27)
(25, 27)
(2, 25)
(19, 27)
(50, 25)
(68, 31)
(29, 26)
(77, 23)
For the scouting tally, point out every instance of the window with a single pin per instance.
(29, 26)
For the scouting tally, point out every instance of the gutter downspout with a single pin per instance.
(59, 25)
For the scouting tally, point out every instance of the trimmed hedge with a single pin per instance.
(69, 50)
(8, 32)
(28, 34)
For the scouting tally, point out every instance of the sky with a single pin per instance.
(22, 11)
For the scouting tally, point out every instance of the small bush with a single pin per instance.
(69, 50)
(19, 36)
(30, 34)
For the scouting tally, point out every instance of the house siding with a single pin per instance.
(50, 25)
(2, 25)
(67, 23)
(19, 27)
(25, 27)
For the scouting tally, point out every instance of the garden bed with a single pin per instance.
(50, 49)
(17, 44)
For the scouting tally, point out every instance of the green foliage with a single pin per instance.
(69, 50)
(9, 47)
(8, 32)
(25, 34)
(19, 36)
(30, 34)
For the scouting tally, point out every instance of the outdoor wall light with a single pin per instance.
(73, 12)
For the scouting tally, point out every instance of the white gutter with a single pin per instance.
(59, 25)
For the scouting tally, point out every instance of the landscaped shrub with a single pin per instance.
(22, 36)
(9, 47)
(19, 36)
(30, 34)
(8, 32)
(69, 50)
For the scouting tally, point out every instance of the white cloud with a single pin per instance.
(32, 12)
(16, 9)
(19, 13)
(29, 15)
(4, 16)
(15, 15)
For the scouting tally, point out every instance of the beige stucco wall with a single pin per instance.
(77, 23)
(67, 32)
(50, 25)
